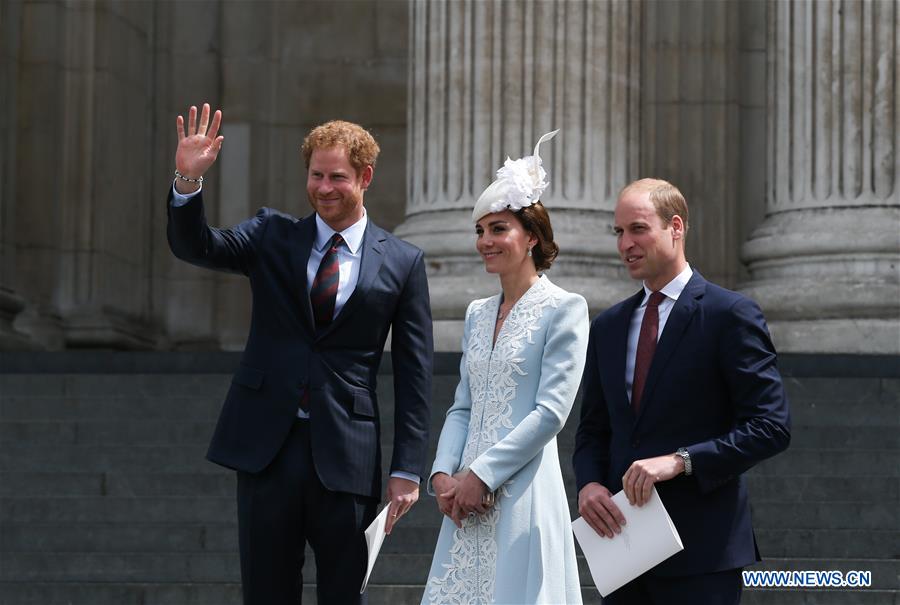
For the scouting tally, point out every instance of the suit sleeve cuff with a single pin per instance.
(484, 473)
(407, 476)
(180, 199)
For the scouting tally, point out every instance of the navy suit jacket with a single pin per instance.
(285, 354)
(714, 388)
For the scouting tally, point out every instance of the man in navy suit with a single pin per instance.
(681, 391)
(300, 423)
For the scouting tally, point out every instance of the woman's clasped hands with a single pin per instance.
(462, 495)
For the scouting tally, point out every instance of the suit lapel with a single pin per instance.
(678, 320)
(306, 237)
(370, 264)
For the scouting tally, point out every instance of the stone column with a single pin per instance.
(82, 189)
(34, 201)
(703, 104)
(486, 80)
(824, 263)
(10, 302)
(104, 187)
(188, 71)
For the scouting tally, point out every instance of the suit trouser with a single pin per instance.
(285, 506)
(718, 588)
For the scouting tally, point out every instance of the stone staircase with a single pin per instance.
(105, 496)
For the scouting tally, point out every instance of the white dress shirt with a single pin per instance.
(672, 291)
(349, 257)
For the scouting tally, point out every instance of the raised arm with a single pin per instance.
(190, 237)
(197, 149)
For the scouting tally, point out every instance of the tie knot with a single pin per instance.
(337, 240)
(655, 299)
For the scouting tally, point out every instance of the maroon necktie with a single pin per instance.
(323, 293)
(645, 348)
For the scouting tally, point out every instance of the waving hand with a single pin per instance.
(198, 147)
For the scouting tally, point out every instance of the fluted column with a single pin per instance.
(11, 304)
(82, 196)
(487, 78)
(824, 264)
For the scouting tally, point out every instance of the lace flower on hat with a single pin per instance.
(525, 181)
(519, 183)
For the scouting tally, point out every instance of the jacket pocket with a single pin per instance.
(362, 404)
(249, 377)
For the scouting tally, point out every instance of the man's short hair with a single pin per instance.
(664, 196)
(362, 150)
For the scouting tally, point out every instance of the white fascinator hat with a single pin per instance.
(519, 183)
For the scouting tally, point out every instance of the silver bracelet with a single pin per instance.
(178, 175)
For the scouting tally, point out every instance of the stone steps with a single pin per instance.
(213, 481)
(391, 568)
(861, 515)
(885, 572)
(179, 567)
(107, 432)
(805, 437)
(822, 402)
(141, 511)
(198, 433)
(173, 593)
(819, 596)
(812, 488)
(106, 498)
(817, 462)
(408, 537)
(169, 537)
(85, 593)
(829, 544)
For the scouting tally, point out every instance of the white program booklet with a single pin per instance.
(647, 539)
(374, 539)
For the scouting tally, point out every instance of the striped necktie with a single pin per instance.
(323, 294)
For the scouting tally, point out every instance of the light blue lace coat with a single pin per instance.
(512, 400)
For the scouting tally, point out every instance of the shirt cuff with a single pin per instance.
(180, 199)
(407, 476)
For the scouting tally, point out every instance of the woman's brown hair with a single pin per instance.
(536, 221)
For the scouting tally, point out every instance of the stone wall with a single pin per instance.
(777, 119)
(703, 109)
(91, 91)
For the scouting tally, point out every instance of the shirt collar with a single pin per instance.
(674, 288)
(353, 235)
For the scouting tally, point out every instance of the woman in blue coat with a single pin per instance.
(506, 535)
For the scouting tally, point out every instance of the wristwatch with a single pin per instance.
(687, 459)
